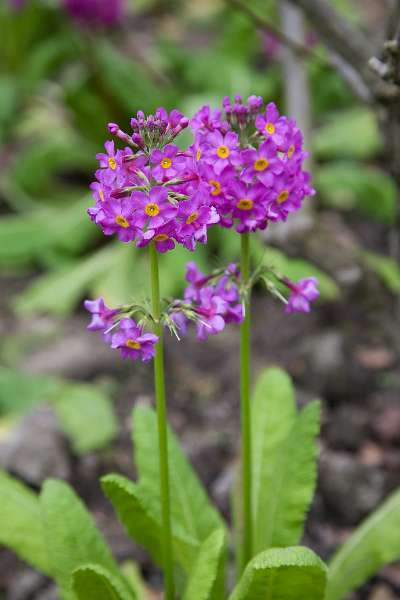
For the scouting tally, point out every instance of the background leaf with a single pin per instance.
(386, 268)
(94, 581)
(375, 543)
(284, 461)
(206, 581)
(72, 537)
(283, 574)
(190, 505)
(21, 526)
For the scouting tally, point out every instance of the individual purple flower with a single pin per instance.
(102, 316)
(195, 216)
(211, 310)
(302, 293)
(248, 206)
(261, 164)
(163, 237)
(132, 342)
(272, 125)
(153, 209)
(167, 163)
(284, 197)
(221, 150)
(116, 217)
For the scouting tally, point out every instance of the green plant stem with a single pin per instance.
(159, 382)
(245, 412)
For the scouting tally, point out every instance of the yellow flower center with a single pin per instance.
(151, 209)
(198, 154)
(166, 163)
(270, 128)
(290, 152)
(133, 344)
(216, 187)
(161, 237)
(261, 164)
(245, 204)
(121, 221)
(112, 163)
(282, 196)
(192, 217)
(223, 151)
(101, 194)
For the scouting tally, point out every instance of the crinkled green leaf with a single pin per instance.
(349, 133)
(140, 513)
(21, 527)
(86, 416)
(283, 574)
(374, 544)
(284, 461)
(94, 581)
(206, 580)
(190, 505)
(386, 268)
(72, 537)
(347, 185)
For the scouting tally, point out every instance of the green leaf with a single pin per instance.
(141, 516)
(21, 391)
(206, 580)
(374, 544)
(283, 574)
(94, 581)
(347, 185)
(386, 268)
(86, 416)
(284, 461)
(190, 505)
(349, 133)
(21, 527)
(72, 537)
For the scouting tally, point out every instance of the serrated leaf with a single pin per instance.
(206, 580)
(374, 544)
(141, 515)
(94, 581)
(284, 461)
(350, 133)
(72, 537)
(86, 416)
(283, 574)
(386, 268)
(190, 505)
(21, 527)
(347, 185)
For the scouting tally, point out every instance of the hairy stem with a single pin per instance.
(245, 406)
(159, 382)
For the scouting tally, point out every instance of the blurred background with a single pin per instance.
(67, 68)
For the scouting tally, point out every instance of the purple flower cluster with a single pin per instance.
(250, 163)
(214, 302)
(148, 191)
(123, 334)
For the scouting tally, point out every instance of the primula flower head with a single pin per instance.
(95, 12)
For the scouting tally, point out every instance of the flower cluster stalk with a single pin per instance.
(245, 408)
(159, 381)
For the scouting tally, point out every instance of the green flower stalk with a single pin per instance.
(159, 382)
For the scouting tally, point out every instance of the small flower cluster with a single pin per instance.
(148, 190)
(97, 13)
(121, 332)
(302, 293)
(210, 301)
(250, 162)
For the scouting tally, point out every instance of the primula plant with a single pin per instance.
(243, 171)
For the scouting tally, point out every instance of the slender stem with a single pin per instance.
(159, 381)
(245, 407)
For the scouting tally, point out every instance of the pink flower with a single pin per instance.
(302, 293)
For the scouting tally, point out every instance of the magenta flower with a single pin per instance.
(132, 342)
(152, 210)
(248, 206)
(167, 163)
(195, 217)
(302, 293)
(163, 237)
(221, 150)
(271, 125)
(261, 164)
(102, 316)
(115, 216)
(95, 12)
